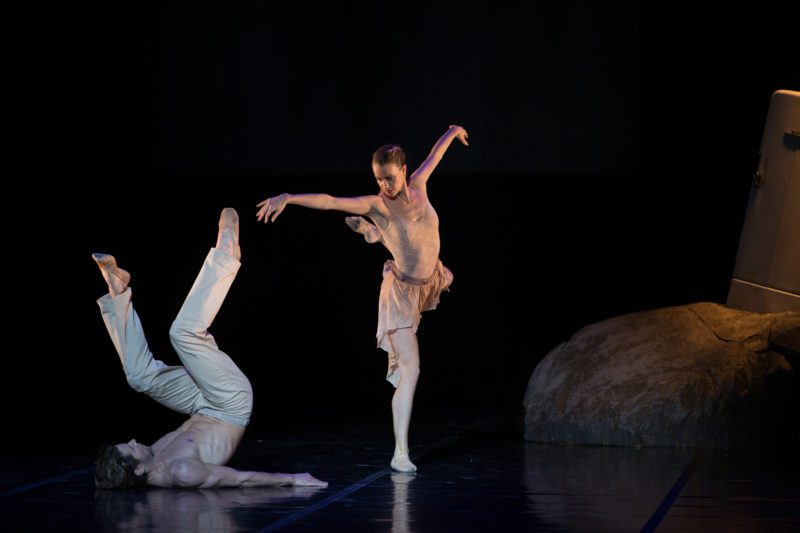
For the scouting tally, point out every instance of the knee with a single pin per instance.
(181, 333)
(247, 392)
(176, 332)
(138, 381)
(242, 402)
(143, 377)
(409, 371)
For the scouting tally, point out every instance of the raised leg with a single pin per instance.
(224, 387)
(171, 386)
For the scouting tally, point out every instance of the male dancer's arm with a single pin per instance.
(190, 472)
(420, 176)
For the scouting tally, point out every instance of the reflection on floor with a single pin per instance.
(473, 477)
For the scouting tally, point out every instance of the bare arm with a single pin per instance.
(420, 176)
(270, 208)
(194, 473)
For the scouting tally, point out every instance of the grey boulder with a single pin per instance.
(694, 375)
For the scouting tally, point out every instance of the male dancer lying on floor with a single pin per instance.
(209, 386)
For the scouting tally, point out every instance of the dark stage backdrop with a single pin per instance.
(609, 167)
(260, 87)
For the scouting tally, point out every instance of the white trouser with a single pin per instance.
(209, 382)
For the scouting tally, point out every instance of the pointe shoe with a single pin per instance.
(361, 225)
(402, 463)
(117, 278)
(228, 236)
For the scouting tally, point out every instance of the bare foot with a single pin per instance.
(228, 236)
(361, 225)
(116, 278)
(402, 463)
(307, 480)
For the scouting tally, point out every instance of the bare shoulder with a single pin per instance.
(420, 192)
(378, 206)
(419, 195)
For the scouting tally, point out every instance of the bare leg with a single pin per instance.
(406, 349)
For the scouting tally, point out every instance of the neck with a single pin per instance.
(404, 195)
(155, 472)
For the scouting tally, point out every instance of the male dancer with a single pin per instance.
(209, 386)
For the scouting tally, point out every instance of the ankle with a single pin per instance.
(400, 452)
(116, 278)
(226, 242)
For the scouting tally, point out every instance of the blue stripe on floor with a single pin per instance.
(326, 502)
(43, 482)
(673, 493)
(357, 485)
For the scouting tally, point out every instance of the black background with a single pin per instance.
(610, 158)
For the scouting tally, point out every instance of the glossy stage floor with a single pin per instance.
(473, 476)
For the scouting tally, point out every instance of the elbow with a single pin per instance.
(327, 202)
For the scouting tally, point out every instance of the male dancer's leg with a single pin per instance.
(224, 387)
(171, 386)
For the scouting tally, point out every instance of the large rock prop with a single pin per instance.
(696, 375)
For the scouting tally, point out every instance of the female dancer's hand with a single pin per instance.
(461, 134)
(271, 207)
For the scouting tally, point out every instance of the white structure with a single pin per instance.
(766, 277)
